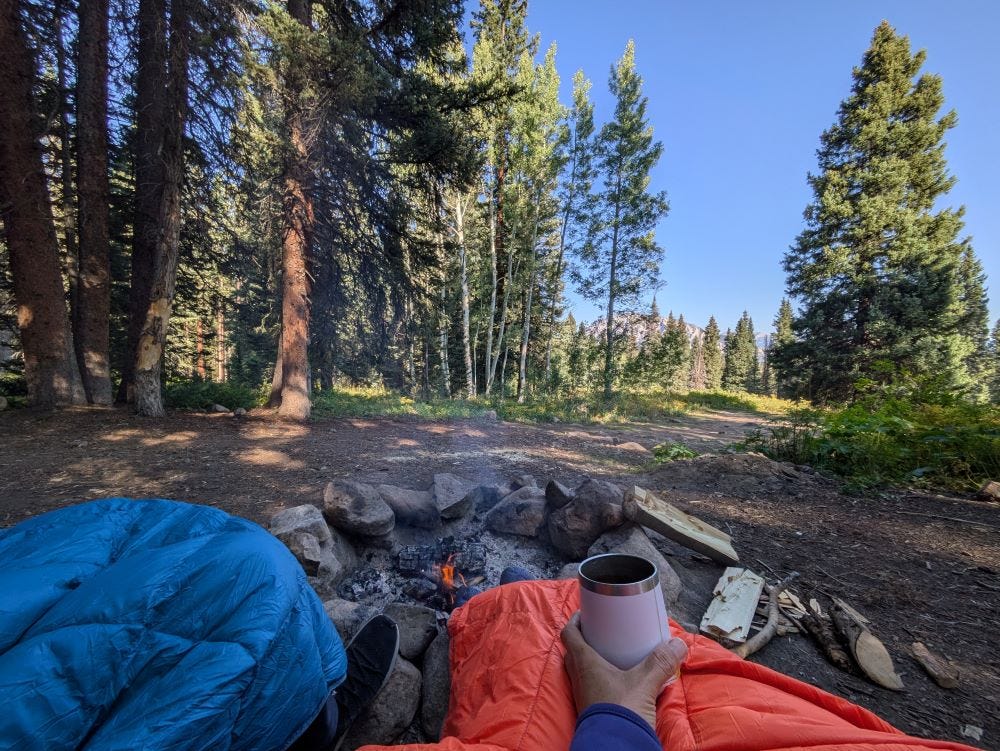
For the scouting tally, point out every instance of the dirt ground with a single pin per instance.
(922, 567)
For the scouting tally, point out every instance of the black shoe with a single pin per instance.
(371, 656)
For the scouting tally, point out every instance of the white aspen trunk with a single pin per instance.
(488, 371)
(522, 377)
(470, 383)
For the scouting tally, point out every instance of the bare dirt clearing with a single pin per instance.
(916, 575)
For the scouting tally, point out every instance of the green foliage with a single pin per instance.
(891, 441)
(197, 394)
(740, 372)
(670, 451)
(878, 267)
(374, 401)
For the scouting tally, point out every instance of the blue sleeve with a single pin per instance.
(609, 727)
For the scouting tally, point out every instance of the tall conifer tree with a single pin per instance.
(876, 268)
(621, 258)
(711, 347)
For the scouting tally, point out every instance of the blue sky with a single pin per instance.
(739, 93)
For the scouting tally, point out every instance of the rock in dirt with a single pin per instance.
(305, 547)
(451, 494)
(414, 508)
(437, 686)
(391, 712)
(3, 403)
(990, 491)
(558, 495)
(240, 412)
(631, 540)
(484, 497)
(632, 447)
(347, 616)
(219, 409)
(596, 509)
(417, 627)
(520, 513)
(357, 508)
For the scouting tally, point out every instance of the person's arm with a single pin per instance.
(617, 707)
(612, 727)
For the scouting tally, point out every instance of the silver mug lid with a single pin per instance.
(618, 574)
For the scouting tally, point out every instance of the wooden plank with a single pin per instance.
(732, 609)
(643, 507)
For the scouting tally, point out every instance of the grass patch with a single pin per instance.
(891, 442)
(371, 401)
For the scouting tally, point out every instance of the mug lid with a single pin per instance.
(618, 574)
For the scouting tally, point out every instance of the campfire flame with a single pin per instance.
(446, 575)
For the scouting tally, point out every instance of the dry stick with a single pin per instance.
(950, 519)
(762, 637)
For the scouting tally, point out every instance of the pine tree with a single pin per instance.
(741, 371)
(620, 257)
(712, 354)
(993, 364)
(876, 267)
(781, 383)
(974, 335)
(696, 373)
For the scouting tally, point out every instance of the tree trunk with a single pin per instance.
(49, 361)
(443, 347)
(200, 348)
(150, 113)
(493, 296)
(296, 242)
(67, 209)
(274, 398)
(220, 344)
(522, 376)
(612, 293)
(503, 323)
(148, 376)
(93, 301)
(567, 211)
(463, 279)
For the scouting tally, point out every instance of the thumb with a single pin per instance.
(661, 664)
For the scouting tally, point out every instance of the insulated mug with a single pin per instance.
(622, 613)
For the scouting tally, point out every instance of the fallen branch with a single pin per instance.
(762, 637)
(951, 519)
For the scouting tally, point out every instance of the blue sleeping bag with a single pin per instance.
(148, 625)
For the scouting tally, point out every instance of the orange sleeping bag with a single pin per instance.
(509, 691)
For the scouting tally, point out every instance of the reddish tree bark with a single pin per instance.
(150, 113)
(50, 365)
(200, 367)
(153, 336)
(296, 242)
(93, 301)
(220, 344)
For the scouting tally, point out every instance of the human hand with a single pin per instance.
(595, 680)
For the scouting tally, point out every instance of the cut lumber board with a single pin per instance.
(731, 611)
(942, 670)
(869, 653)
(643, 507)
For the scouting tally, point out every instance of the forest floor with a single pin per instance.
(922, 567)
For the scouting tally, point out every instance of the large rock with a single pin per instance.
(485, 497)
(323, 553)
(391, 712)
(451, 494)
(414, 508)
(3, 403)
(523, 480)
(631, 540)
(305, 518)
(357, 508)
(558, 495)
(596, 508)
(417, 627)
(437, 686)
(569, 571)
(347, 616)
(520, 513)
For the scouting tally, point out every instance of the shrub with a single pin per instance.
(891, 441)
(669, 451)
(203, 394)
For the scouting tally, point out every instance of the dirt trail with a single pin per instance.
(918, 577)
